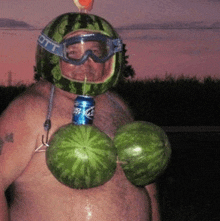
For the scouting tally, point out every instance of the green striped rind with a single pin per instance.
(81, 156)
(144, 150)
(47, 64)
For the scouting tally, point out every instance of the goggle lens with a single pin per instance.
(95, 48)
(76, 50)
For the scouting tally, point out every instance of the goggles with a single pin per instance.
(76, 50)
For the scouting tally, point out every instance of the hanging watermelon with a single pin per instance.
(143, 151)
(81, 156)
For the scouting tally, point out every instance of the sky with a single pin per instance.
(161, 36)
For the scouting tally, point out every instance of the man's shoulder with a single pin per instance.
(110, 95)
(29, 103)
(117, 100)
(111, 112)
(37, 92)
(114, 102)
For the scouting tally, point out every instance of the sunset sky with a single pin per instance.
(162, 36)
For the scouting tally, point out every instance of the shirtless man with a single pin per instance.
(36, 195)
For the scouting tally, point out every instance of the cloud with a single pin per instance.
(170, 25)
(129, 35)
(215, 24)
(169, 31)
(13, 24)
(213, 0)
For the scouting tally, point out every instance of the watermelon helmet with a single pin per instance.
(52, 47)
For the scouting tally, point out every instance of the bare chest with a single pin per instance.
(40, 193)
(39, 196)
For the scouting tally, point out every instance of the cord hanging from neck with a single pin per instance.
(47, 123)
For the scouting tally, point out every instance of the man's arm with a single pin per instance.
(152, 191)
(17, 145)
(3, 204)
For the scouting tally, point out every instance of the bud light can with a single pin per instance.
(83, 112)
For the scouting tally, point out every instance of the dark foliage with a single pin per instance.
(177, 102)
(37, 76)
(7, 94)
(188, 190)
(127, 70)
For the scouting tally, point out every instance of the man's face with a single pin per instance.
(92, 71)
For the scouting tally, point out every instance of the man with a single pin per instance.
(77, 54)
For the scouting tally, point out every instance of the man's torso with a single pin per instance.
(37, 195)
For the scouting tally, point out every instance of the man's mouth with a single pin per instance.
(84, 77)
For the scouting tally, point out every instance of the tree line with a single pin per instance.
(177, 102)
(169, 102)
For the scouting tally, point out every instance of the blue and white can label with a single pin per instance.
(84, 107)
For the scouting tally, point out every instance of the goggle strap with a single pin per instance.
(50, 45)
(118, 45)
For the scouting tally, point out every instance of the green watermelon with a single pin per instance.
(143, 150)
(48, 65)
(81, 156)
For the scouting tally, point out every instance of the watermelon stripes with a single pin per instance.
(48, 66)
(81, 156)
(145, 150)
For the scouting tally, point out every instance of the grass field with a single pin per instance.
(189, 189)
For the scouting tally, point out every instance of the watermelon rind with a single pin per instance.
(144, 150)
(81, 156)
(48, 65)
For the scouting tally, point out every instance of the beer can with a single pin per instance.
(83, 112)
